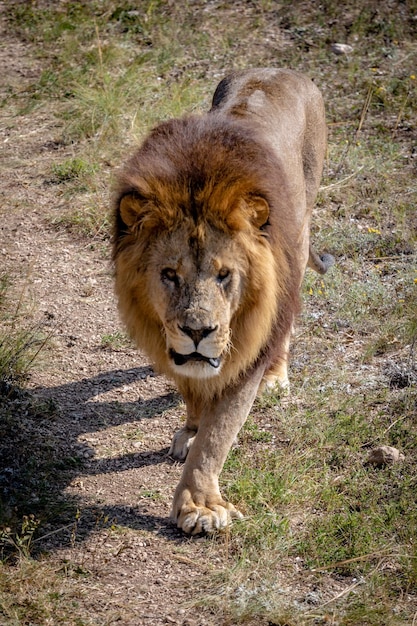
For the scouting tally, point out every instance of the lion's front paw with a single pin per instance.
(215, 514)
(181, 443)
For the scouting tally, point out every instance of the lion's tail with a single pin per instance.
(320, 262)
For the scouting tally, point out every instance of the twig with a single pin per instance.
(355, 559)
(386, 258)
(99, 48)
(349, 589)
(342, 593)
(359, 128)
(364, 110)
(400, 114)
(41, 347)
(53, 532)
(343, 181)
(411, 355)
(379, 437)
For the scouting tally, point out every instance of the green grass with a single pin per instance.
(315, 499)
(115, 341)
(317, 516)
(21, 341)
(73, 170)
(312, 496)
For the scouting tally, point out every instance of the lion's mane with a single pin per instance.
(205, 171)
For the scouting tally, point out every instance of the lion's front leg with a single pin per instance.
(198, 505)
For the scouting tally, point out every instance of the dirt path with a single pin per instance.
(110, 412)
(116, 418)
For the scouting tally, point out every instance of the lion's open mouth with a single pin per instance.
(182, 359)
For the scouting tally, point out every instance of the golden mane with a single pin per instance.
(203, 171)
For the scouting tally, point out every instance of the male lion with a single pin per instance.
(211, 242)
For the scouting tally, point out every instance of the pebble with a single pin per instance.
(341, 48)
(384, 455)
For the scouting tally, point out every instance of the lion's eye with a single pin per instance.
(169, 274)
(223, 275)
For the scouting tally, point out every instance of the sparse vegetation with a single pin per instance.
(114, 341)
(20, 341)
(72, 169)
(327, 538)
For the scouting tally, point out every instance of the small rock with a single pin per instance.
(341, 48)
(384, 455)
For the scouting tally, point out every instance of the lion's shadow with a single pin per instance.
(40, 455)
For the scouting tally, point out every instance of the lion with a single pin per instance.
(211, 242)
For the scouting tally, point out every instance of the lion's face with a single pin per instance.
(195, 281)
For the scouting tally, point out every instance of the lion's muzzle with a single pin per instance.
(182, 359)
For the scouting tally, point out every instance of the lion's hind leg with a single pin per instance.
(182, 442)
(276, 376)
(276, 379)
(183, 439)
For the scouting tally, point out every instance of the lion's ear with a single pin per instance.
(131, 209)
(252, 212)
(260, 211)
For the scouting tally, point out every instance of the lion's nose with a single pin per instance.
(197, 334)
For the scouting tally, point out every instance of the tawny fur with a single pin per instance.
(211, 242)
